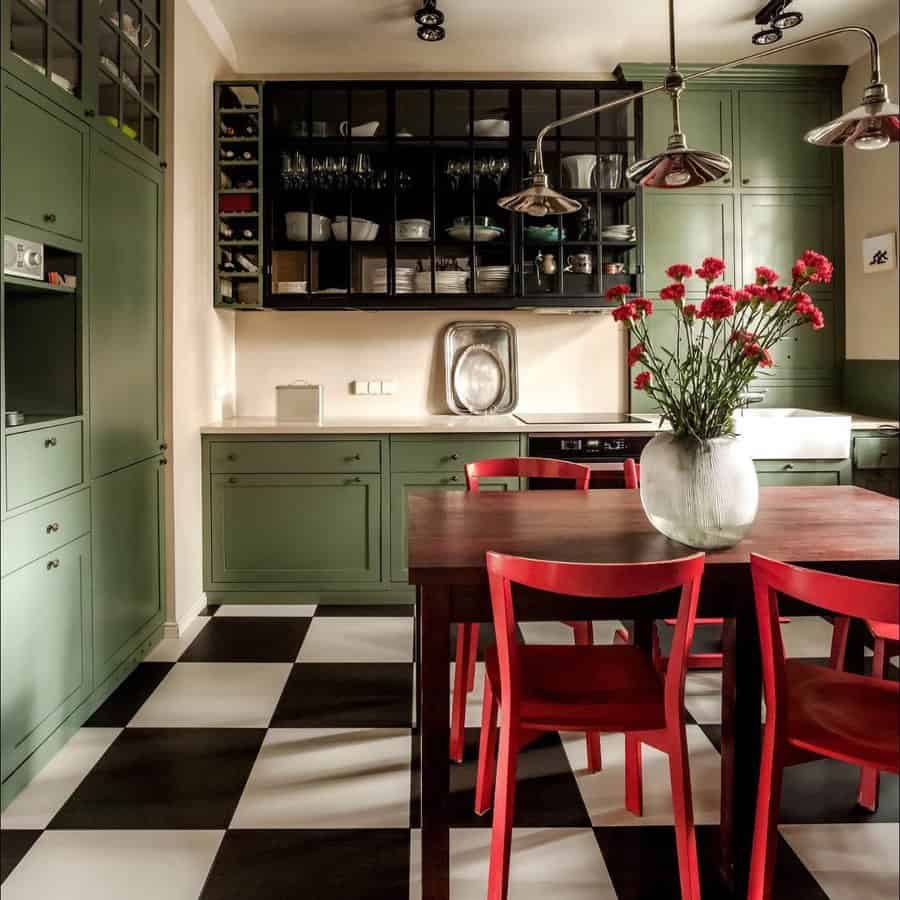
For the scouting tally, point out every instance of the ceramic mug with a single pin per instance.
(548, 264)
(582, 263)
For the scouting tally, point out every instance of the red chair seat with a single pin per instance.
(608, 688)
(849, 717)
(884, 630)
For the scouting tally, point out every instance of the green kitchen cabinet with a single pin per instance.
(804, 353)
(125, 311)
(44, 153)
(794, 472)
(772, 151)
(293, 529)
(127, 532)
(46, 647)
(402, 484)
(686, 227)
(43, 461)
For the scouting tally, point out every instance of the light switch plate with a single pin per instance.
(360, 387)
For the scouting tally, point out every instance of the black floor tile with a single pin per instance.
(346, 695)
(374, 610)
(121, 706)
(239, 639)
(346, 864)
(547, 794)
(14, 844)
(165, 778)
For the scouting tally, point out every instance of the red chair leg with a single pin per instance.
(634, 776)
(464, 651)
(487, 750)
(683, 809)
(504, 806)
(584, 636)
(839, 642)
(622, 636)
(473, 656)
(765, 831)
(868, 777)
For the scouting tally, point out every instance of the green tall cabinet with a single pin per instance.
(783, 196)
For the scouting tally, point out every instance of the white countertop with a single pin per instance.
(416, 425)
(863, 423)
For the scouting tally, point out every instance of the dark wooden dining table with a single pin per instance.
(846, 530)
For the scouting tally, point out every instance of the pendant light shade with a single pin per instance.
(539, 199)
(679, 167)
(871, 126)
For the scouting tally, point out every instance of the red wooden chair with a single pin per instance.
(814, 711)
(884, 636)
(467, 635)
(543, 688)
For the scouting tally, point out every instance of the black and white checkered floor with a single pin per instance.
(269, 753)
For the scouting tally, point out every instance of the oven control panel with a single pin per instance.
(586, 448)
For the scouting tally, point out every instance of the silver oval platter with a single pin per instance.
(479, 380)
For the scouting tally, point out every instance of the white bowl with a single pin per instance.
(579, 170)
(412, 230)
(360, 230)
(491, 128)
(463, 233)
(303, 227)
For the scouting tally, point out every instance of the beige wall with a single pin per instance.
(570, 363)
(871, 200)
(201, 340)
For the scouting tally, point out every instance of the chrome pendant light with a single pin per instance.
(871, 126)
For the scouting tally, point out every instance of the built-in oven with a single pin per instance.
(605, 453)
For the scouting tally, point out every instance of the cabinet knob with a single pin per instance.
(454, 478)
(163, 461)
(232, 480)
(745, 181)
(355, 458)
(231, 457)
(90, 113)
(726, 181)
(884, 453)
(52, 527)
(50, 442)
(454, 457)
(53, 564)
(356, 480)
(50, 217)
(787, 467)
(163, 446)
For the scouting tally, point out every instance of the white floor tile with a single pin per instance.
(807, 637)
(703, 696)
(54, 784)
(563, 863)
(850, 861)
(267, 610)
(363, 639)
(328, 778)
(214, 695)
(604, 792)
(560, 633)
(110, 865)
(170, 649)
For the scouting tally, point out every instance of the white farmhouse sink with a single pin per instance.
(789, 433)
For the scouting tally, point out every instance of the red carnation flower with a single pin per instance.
(643, 305)
(711, 269)
(642, 381)
(765, 275)
(717, 306)
(689, 311)
(741, 336)
(672, 292)
(755, 290)
(616, 291)
(759, 354)
(818, 267)
(678, 272)
(777, 294)
(624, 312)
(724, 290)
(742, 298)
(809, 312)
(635, 354)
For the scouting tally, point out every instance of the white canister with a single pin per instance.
(299, 402)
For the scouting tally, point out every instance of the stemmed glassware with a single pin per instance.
(492, 167)
(337, 173)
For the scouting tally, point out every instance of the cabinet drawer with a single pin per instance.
(243, 457)
(794, 472)
(42, 462)
(876, 452)
(442, 455)
(35, 533)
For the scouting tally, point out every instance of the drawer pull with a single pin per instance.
(745, 181)
(787, 467)
(53, 527)
(356, 480)
(52, 564)
(231, 457)
(453, 457)
(232, 481)
(50, 442)
(50, 217)
(355, 458)
(453, 478)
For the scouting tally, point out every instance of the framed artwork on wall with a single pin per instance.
(880, 252)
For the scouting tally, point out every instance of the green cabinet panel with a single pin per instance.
(125, 334)
(438, 454)
(771, 146)
(401, 485)
(793, 472)
(127, 543)
(32, 534)
(705, 121)
(686, 227)
(876, 452)
(46, 656)
(295, 528)
(797, 394)
(302, 457)
(43, 163)
(42, 462)
(804, 353)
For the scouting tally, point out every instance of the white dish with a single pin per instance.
(360, 229)
(412, 230)
(491, 128)
(291, 287)
(578, 170)
(464, 233)
(298, 226)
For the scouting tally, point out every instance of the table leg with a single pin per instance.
(741, 738)
(434, 729)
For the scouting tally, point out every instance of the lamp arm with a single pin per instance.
(874, 56)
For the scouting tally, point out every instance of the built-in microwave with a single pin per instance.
(23, 258)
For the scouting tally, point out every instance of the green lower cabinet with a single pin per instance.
(128, 579)
(46, 647)
(402, 484)
(292, 529)
(793, 472)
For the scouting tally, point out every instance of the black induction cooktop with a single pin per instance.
(592, 418)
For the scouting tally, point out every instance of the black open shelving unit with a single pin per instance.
(419, 163)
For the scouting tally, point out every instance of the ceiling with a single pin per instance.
(574, 37)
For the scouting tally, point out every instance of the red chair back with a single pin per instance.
(632, 474)
(597, 581)
(528, 467)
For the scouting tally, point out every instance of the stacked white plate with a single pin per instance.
(444, 282)
(492, 280)
(404, 277)
(619, 233)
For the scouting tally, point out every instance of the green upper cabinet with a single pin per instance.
(685, 227)
(772, 150)
(126, 530)
(125, 322)
(44, 153)
(705, 121)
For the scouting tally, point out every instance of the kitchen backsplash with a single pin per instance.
(566, 363)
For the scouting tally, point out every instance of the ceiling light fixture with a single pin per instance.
(767, 36)
(871, 126)
(430, 20)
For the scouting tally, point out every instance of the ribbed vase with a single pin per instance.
(702, 493)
